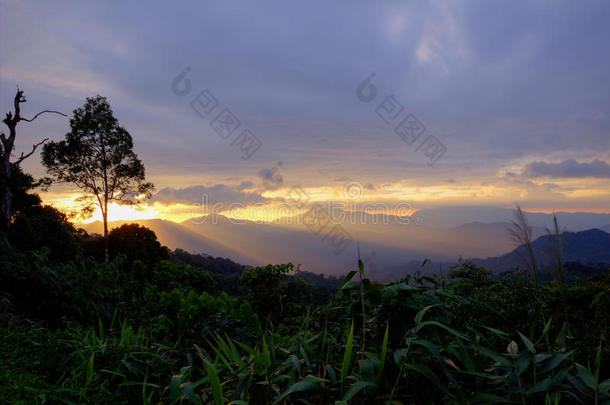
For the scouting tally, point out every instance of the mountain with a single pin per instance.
(389, 246)
(455, 216)
(296, 243)
(585, 247)
(584, 253)
(384, 240)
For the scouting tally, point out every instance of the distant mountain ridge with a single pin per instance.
(585, 247)
(582, 250)
(389, 248)
(456, 216)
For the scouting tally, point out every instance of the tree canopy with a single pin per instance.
(97, 156)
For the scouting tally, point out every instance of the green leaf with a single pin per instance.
(266, 355)
(465, 357)
(528, 343)
(542, 357)
(432, 348)
(307, 384)
(420, 315)
(347, 355)
(447, 328)
(597, 363)
(366, 369)
(585, 376)
(555, 361)
(356, 388)
(497, 332)
(331, 374)
(576, 383)
(543, 386)
(524, 360)
(426, 372)
(347, 278)
(561, 375)
(89, 375)
(489, 399)
(546, 329)
(495, 356)
(214, 383)
(384, 352)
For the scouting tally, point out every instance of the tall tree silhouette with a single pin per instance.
(97, 156)
(6, 150)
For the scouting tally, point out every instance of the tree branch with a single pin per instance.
(23, 157)
(42, 112)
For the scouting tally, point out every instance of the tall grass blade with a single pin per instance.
(347, 356)
(384, 352)
(214, 383)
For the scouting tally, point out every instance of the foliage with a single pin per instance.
(270, 289)
(97, 157)
(44, 226)
(121, 333)
(132, 241)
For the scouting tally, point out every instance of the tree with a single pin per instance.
(137, 242)
(6, 150)
(97, 156)
(44, 226)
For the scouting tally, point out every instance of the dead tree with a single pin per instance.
(6, 150)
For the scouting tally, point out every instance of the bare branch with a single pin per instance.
(23, 157)
(42, 112)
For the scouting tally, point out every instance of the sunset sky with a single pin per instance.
(517, 92)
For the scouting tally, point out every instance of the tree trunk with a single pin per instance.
(6, 148)
(5, 194)
(105, 216)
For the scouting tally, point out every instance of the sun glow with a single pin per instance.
(116, 212)
(397, 199)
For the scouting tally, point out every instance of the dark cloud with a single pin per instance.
(495, 82)
(271, 177)
(219, 193)
(568, 169)
(244, 185)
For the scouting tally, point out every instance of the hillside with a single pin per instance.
(586, 247)
(385, 244)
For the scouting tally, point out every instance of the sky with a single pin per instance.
(427, 104)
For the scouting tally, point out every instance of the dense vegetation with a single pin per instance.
(154, 326)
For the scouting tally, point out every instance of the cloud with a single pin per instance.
(495, 83)
(271, 177)
(219, 193)
(568, 169)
